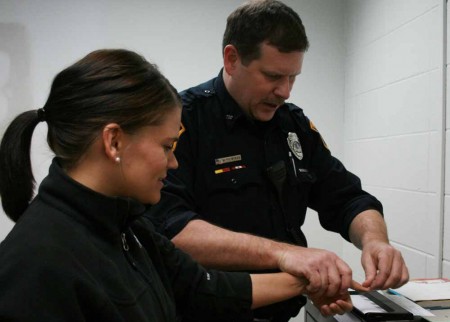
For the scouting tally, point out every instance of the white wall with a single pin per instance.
(381, 59)
(394, 110)
(446, 220)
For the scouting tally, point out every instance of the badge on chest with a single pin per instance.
(294, 145)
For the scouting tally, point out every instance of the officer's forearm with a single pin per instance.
(368, 226)
(219, 248)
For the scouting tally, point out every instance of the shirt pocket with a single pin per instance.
(232, 181)
(230, 195)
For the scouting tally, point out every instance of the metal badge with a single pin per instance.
(294, 145)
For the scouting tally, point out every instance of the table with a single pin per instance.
(312, 314)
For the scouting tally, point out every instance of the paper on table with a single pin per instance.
(365, 305)
(426, 289)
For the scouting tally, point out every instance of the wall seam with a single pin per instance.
(443, 137)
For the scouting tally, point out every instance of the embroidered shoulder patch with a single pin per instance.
(313, 127)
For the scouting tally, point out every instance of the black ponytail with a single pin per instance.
(16, 176)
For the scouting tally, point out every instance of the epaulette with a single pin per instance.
(298, 115)
(203, 90)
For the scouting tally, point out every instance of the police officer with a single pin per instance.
(250, 164)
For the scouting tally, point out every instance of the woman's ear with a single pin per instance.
(230, 59)
(112, 141)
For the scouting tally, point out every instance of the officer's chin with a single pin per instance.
(265, 117)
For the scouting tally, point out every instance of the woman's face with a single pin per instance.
(146, 157)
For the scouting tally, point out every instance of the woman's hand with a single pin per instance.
(339, 303)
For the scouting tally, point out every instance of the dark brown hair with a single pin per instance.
(260, 21)
(106, 86)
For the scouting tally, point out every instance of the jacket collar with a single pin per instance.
(108, 214)
(231, 111)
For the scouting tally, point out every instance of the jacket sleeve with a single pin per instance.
(336, 194)
(200, 294)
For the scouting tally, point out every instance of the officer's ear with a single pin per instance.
(230, 59)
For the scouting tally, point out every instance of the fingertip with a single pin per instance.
(325, 310)
(368, 282)
(359, 287)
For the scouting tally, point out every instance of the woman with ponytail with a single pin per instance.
(80, 249)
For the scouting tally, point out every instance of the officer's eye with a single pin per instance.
(273, 77)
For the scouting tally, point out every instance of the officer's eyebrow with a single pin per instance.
(277, 74)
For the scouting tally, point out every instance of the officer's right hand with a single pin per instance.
(327, 274)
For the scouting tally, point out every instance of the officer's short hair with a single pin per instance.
(258, 21)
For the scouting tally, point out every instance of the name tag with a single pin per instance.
(232, 158)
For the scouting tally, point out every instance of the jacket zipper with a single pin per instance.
(124, 243)
(126, 247)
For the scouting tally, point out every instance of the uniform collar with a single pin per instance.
(231, 111)
(110, 215)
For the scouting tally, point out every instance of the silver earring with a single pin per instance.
(117, 159)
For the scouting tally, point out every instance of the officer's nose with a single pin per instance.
(283, 88)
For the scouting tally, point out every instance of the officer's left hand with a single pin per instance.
(384, 266)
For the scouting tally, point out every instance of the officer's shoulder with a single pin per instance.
(294, 111)
(290, 112)
(193, 94)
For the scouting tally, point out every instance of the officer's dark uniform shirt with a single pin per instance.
(242, 175)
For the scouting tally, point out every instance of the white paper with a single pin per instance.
(364, 304)
(426, 289)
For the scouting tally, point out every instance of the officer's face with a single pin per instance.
(264, 84)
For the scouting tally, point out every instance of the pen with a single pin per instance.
(391, 291)
(293, 163)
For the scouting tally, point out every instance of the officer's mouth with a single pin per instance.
(271, 105)
(274, 104)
